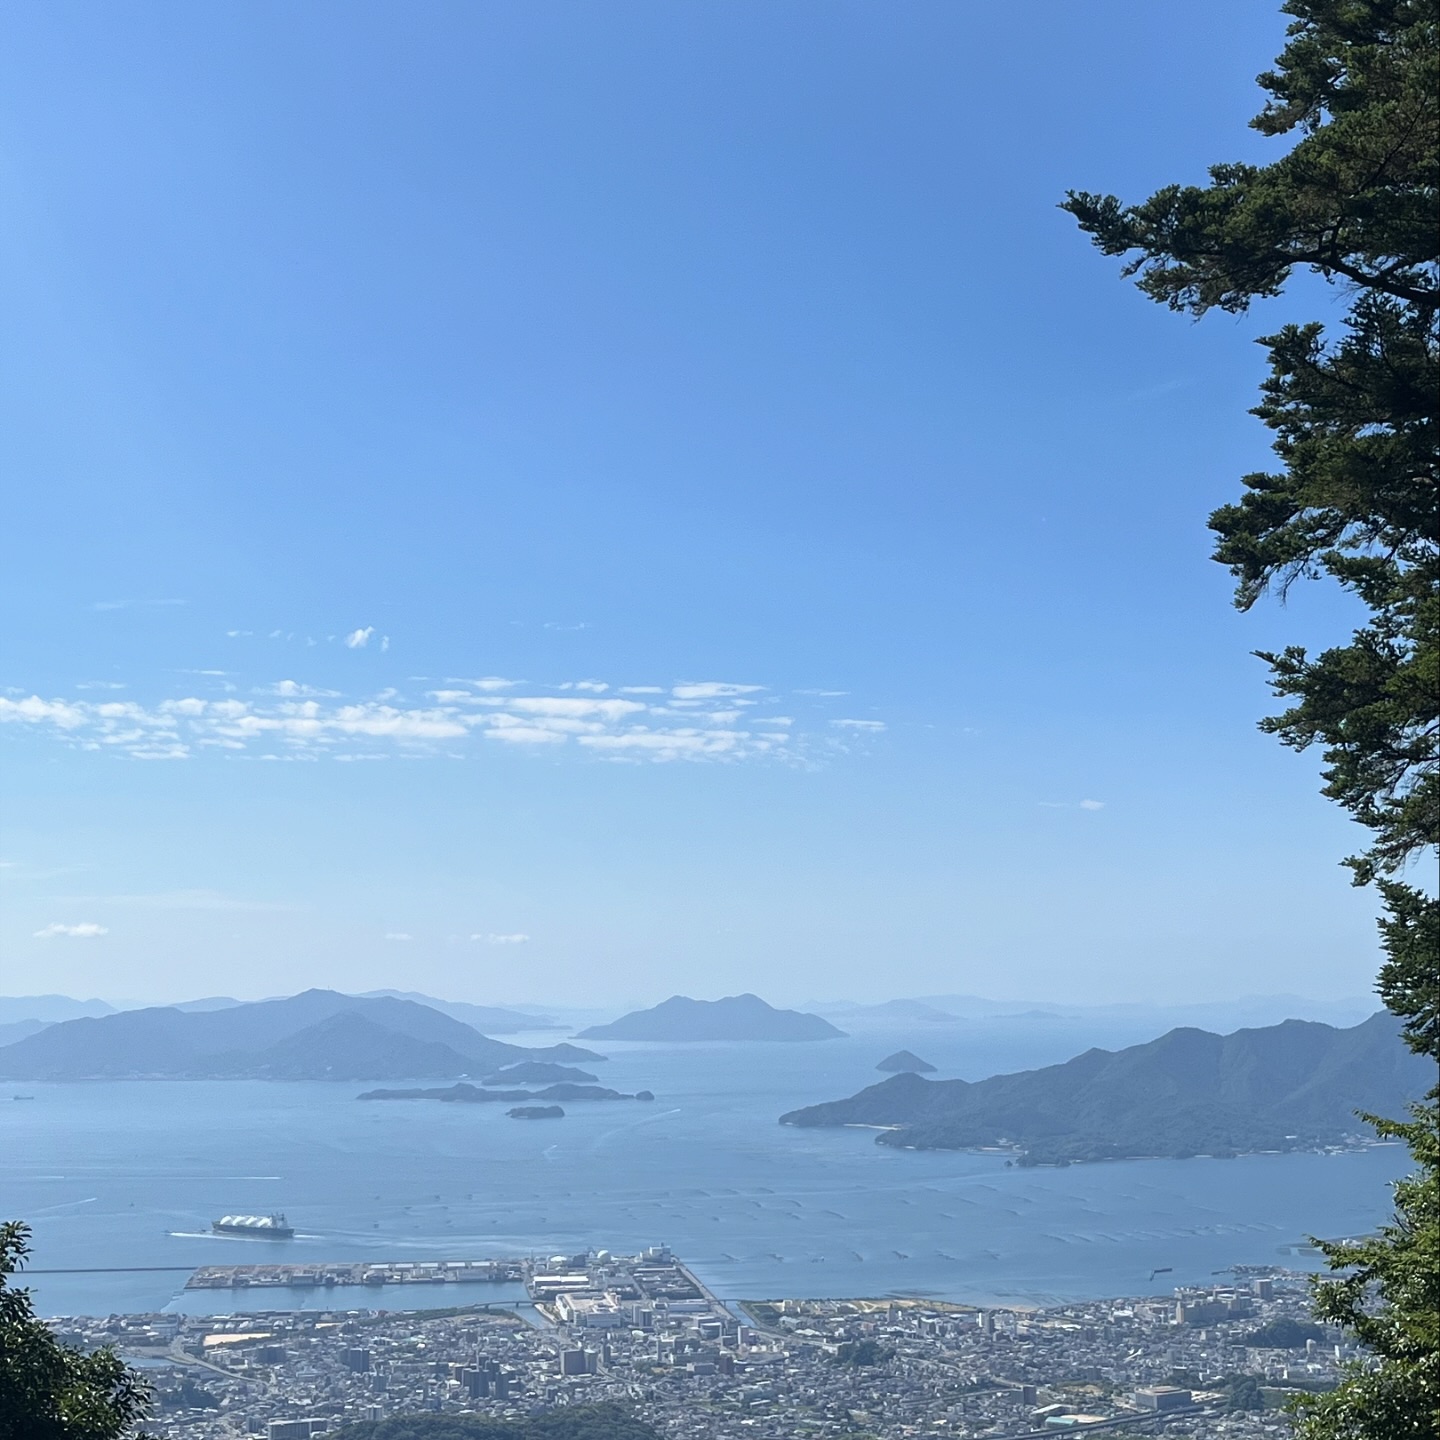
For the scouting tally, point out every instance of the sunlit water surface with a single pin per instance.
(131, 1174)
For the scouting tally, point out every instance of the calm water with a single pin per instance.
(131, 1174)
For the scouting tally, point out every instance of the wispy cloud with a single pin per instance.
(486, 684)
(359, 639)
(85, 930)
(289, 720)
(293, 688)
(711, 690)
(516, 939)
(1071, 804)
(398, 935)
(1092, 804)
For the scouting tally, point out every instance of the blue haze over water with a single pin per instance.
(131, 1174)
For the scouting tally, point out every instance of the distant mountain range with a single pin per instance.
(1282, 1087)
(49, 1008)
(960, 1010)
(316, 1035)
(737, 1017)
(13, 1030)
(488, 1019)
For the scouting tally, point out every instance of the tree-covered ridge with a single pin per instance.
(1190, 1092)
(1356, 199)
(49, 1391)
(579, 1422)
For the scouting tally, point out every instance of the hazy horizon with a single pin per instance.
(991, 1007)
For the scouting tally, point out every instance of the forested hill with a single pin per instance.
(316, 1035)
(1289, 1086)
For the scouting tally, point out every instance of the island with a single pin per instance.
(536, 1112)
(737, 1017)
(537, 1072)
(1291, 1086)
(906, 1062)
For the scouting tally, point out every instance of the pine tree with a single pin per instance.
(1354, 199)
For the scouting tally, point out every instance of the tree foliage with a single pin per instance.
(49, 1391)
(1354, 200)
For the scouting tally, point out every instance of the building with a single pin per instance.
(591, 1311)
(1163, 1397)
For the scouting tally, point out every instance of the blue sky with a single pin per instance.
(633, 497)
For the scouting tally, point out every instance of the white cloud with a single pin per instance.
(398, 935)
(567, 708)
(1092, 804)
(518, 734)
(516, 939)
(85, 930)
(295, 688)
(486, 683)
(711, 690)
(359, 639)
(35, 710)
(290, 720)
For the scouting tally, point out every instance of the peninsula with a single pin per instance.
(1291, 1086)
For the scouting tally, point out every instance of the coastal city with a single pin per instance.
(643, 1331)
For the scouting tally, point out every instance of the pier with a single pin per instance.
(376, 1273)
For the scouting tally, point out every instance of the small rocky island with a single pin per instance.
(536, 1112)
(902, 1062)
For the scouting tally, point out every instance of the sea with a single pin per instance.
(120, 1181)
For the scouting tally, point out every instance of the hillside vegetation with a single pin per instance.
(1283, 1087)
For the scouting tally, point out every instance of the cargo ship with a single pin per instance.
(259, 1227)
